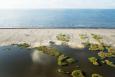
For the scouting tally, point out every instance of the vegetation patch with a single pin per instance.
(49, 50)
(96, 75)
(62, 60)
(77, 73)
(62, 71)
(93, 60)
(83, 36)
(96, 47)
(105, 55)
(111, 50)
(23, 45)
(63, 37)
(97, 37)
(109, 63)
(65, 60)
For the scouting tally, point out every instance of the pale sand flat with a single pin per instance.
(37, 37)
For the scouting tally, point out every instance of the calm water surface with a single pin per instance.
(58, 18)
(20, 62)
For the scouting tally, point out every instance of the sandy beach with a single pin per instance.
(36, 37)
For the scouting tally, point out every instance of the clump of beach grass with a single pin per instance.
(97, 37)
(63, 37)
(83, 36)
(85, 39)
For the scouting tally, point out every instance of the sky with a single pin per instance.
(38, 4)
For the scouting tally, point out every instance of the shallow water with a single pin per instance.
(21, 62)
(82, 55)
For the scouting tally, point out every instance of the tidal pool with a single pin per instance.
(27, 62)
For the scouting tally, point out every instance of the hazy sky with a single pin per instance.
(37, 4)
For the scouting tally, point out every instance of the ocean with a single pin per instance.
(58, 18)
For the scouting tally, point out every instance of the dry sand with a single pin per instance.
(37, 37)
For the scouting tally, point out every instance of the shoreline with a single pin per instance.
(36, 37)
(62, 28)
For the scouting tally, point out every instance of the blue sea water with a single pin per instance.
(58, 18)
